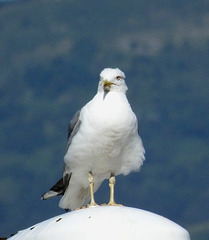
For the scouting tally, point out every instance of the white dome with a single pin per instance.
(105, 222)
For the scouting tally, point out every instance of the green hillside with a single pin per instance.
(51, 54)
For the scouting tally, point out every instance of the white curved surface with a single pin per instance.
(105, 222)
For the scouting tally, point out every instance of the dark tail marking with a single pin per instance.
(59, 188)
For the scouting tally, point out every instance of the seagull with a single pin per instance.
(103, 142)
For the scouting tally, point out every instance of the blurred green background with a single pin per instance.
(51, 54)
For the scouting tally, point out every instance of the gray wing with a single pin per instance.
(60, 187)
(73, 128)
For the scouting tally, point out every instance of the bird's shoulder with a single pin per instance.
(73, 128)
(74, 121)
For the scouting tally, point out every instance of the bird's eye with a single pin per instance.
(118, 77)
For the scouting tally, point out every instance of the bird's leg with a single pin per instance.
(91, 185)
(112, 184)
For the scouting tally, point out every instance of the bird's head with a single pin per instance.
(112, 80)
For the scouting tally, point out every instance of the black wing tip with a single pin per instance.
(58, 189)
(42, 197)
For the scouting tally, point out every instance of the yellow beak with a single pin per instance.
(107, 85)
